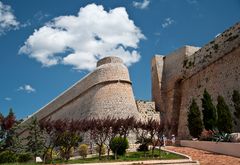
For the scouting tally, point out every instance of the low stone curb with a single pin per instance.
(174, 152)
(148, 162)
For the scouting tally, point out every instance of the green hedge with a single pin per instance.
(24, 157)
(8, 157)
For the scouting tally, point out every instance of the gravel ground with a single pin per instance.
(205, 157)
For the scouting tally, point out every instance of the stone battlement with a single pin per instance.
(222, 45)
(110, 59)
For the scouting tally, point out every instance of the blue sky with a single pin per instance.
(36, 67)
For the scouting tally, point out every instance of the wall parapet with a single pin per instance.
(223, 44)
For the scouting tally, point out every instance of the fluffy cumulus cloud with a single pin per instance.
(83, 39)
(27, 88)
(167, 22)
(7, 98)
(7, 19)
(141, 5)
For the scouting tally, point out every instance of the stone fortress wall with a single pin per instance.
(107, 91)
(183, 75)
(176, 79)
(147, 110)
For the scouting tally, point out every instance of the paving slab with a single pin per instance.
(148, 162)
(206, 157)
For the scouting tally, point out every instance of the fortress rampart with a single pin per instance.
(184, 74)
(107, 91)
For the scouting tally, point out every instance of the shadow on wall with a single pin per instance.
(177, 95)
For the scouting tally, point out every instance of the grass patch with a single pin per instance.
(20, 164)
(131, 156)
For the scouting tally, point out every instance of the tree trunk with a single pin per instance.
(51, 154)
(67, 154)
(153, 151)
(159, 151)
(99, 152)
(108, 153)
(115, 155)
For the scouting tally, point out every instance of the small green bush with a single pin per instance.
(83, 150)
(24, 157)
(221, 137)
(119, 145)
(7, 157)
(103, 152)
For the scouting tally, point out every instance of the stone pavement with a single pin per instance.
(148, 162)
(205, 157)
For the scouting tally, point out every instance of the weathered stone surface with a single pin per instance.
(107, 91)
(184, 74)
(147, 110)
(235, 137)
(157, 72)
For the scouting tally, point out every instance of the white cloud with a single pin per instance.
(7, 19)
(26, 24)
(141, 5)
(40, 15)
(7, 98)
(83, 39)
(167, 22)
(27, 88)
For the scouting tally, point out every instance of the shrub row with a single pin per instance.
(10, 157)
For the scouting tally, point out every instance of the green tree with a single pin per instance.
(67, 136)
(195, 124)
(224, 122)
(209, 112)
(35, 139)
(119, 145)
(6, 133)
(14, 141)
(68, 140)
(236, 101)
(2, 131)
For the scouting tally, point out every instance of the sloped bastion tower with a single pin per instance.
(179, 77)
(107, 91)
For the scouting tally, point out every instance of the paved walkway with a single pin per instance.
(205, 157)
(148, 162)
